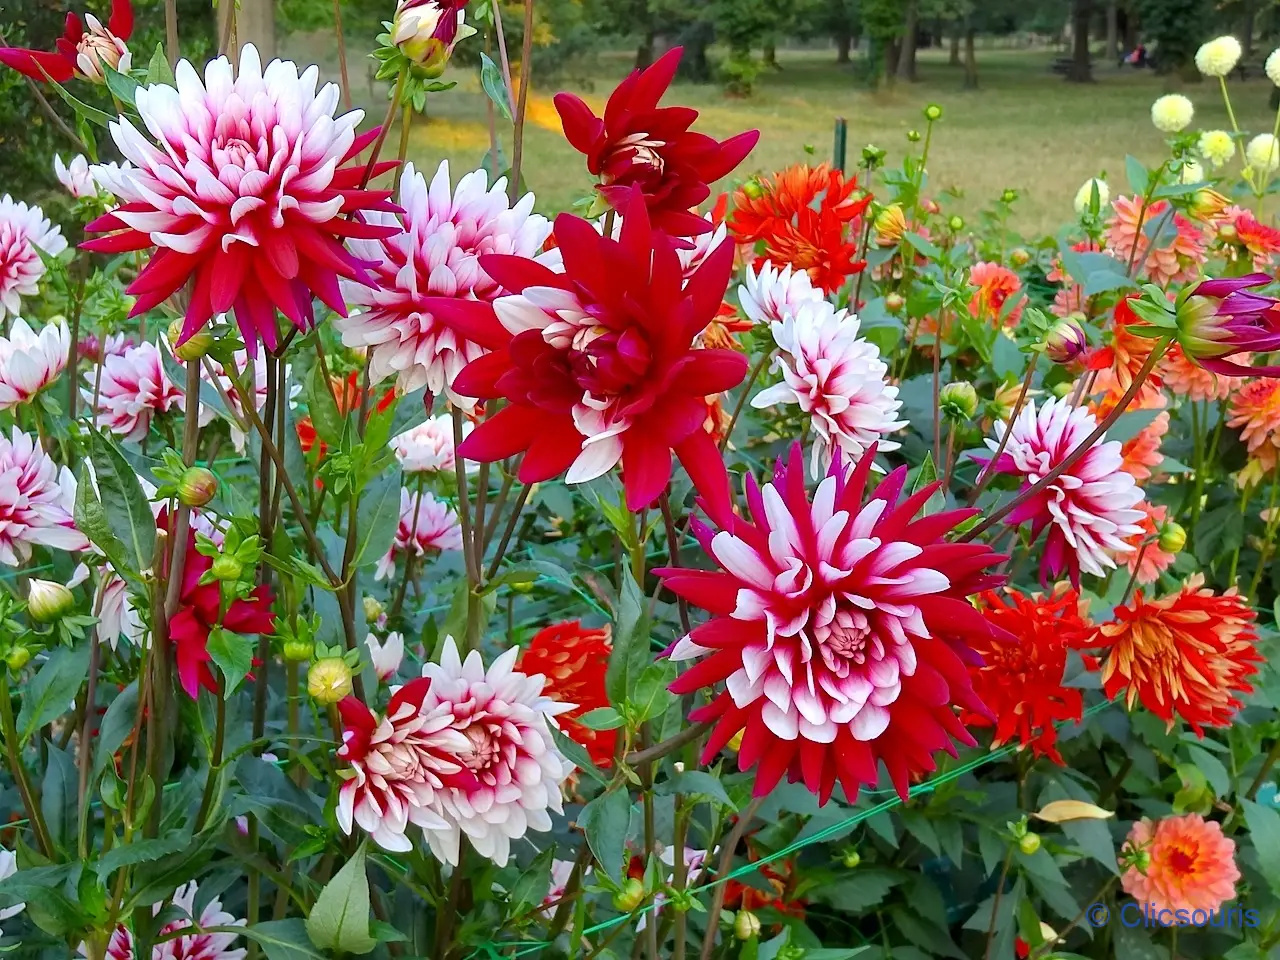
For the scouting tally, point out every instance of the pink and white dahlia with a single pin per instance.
(250, 193)
(837, 378)
(433, 251)
(385, 655)
(133, 388)
(425, 524)
(515, 767)
(8, 867)
(561, 871)
(399, 765)
(116, 616)
(241, 370)
(770, 295)
(195, 946)
(25, 233)
(36, 501)
(1091, 509)
(29, 362)
(75, 176)
(839, 627)
(428, 447)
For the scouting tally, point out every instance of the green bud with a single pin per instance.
(958, 401)
(956, 223)
(48, 601)
(1173, 537)
(227, 567)
(17, 658)
(913, 136)
(933, 112)
(894, 302)
(746, 925)
(194, 348)
(850, 858)
(298, 651)
(1009, 195)
(197, 486)
(1029, 843)
(630, 896)
(329, 680)
(372, 608)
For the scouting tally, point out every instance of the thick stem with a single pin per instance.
(673, 554)
(937, 388)
(502, 56)
(73, 353)
(410, 555)
(215, 760)
(19, 772)
(526, 73)
(726, 861)
(508, 530)
(382, 131)
(670, 745)
(470, 560)
(171, 31)
(995, 907)
(86, 728)
(342, 52)
(742, 398)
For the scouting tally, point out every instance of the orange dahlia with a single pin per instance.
(996, 286)
(1187, 379)
(1119, 362)
(1149, 560)
(574, 660)
(1189, 654)
(1141, 452)
(1020, 676)
(1247, 239)
(809, 218)
(1181, 863)
(1255, 409)
(1178, 260)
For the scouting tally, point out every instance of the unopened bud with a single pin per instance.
(1063, 389)
(958, 401)
(1227, 233)
(913, 136)
(933, 112)
(425, 31)
(329, 680)
(894, 302)
(192, 349)
(298, 651)
(956, 223)
(17, 658)
(753, 189)
(373, 609)
(1207, 203)
(890, 224)
(1009, 195)
(48, 601)
(227, 568)
(197, 486)
(1019, 257)
(1173, 537)
(850, 858)
(746, 925)
(1029, 843)
(630, 896)
(1065, 341)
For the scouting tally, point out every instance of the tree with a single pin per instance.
(883, 22)
(906, 66)
(1081, 69)
(1177, 27)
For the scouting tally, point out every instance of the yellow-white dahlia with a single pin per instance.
(1172, 113)
(1216, 146)
(1219, 57)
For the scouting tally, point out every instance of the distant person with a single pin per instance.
(1136, 58)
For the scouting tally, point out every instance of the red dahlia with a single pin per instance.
(841, 629)
(640, 145)
(574, 661)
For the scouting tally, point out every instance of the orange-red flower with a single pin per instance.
(777, 893)
(1255, 409)
(1252, 240)
(574, 660)
(1177, 260)
(808, 218)
(1141, 452)
(1020, 676)
(1120, 361)
(996, 286)
(1187, 379)
(1187, 655)
(1149, 560)
(1180, 863)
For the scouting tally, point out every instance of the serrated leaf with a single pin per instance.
(494, 86)
(51, 692)
(696, 783)
(535, 882)
(282, 940)
(650, 697)
(606, 820)
(577, 755)
(83, 110)
(339, 921)
(602, 718)
(122, 85)
(141, 851)
(91, 520)
(121, 495)
(378, 516)
(117, 725)
(323, 408)
(630, 655)
(233, 654)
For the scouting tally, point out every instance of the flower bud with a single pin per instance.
(1063, 389)
(1173, 537)
(850, 858)
(890, 224)
(426, 31)
(958, 401)
(753, 189)
(194, 348)
(329, 680)
(48, 601)
(1009, 195)
(1227, 233)
(913, 136)
(373, 609)
(298, 651)
(226, 567)
(99, 48)
(1029, 843)
(894, 302)
(197, 486)
(17, 658)
(630, 896)
(956, 223)
(930, 206)
(1207, 203)
(933, 112)
(1065, 341)
(746, 925)
(1019, 257)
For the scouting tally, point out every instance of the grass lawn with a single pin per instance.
(1023, 128)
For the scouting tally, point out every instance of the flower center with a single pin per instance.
(485, 747)
(1181, 862)
(234, 152)
(611, 362)
(638, 150)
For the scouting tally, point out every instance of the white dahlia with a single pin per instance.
(435, 252)
(515, 767)
(133, 388)
(194, 946)
(116, 616)
(1172, 113)
(29, 362)
(1219, 57)
(428, 447)
(8, 867)
(1084, 195)
(36, 501)
(75, 176)
(769, 295)
(1090, 509)
(385, 655)
(837, 378)
(425, 524)
(25, 233)
(1272, 67)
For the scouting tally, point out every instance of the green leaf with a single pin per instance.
(322, 406)
(922, 246)
(1212, 768)
(43, 890)
(233, 654)
(927, 475)
(122, 85)
(1137, 174)
(1131, 423)
(607, 819)
(91, 520)
(410, 410)
(1264, 830)
(116, 726)
(602, 718)
(209, 396)
(650, 696)
(141, 851)
(282, 940)
(577, 755)
(52, 690)
(158, 70)
(494, 86)
(534, 882)
(697, 783)
(128, 509)
(630, 655)
(83, 110)
(863, 890)
(58, 797)
(378, 516)
(339, 921)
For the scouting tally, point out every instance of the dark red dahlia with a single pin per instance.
(79, 51)
(639, 145)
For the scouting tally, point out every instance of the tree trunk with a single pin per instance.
(906, 66)
(970, 56)
(644, 51)
(955, 46)
(255, 23)
(1113, 31)
(1246, 29)
(844, 43)
(770, 55)
(1081, 70)
(892, 50)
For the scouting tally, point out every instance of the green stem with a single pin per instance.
(1267, 540)
(1246, 496)
(19, 772)
(1197, 455)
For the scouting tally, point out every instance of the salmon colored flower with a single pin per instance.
(573, 660)
(1188, 655)
(1185, 378)
(809, 218)
(1119, 362)
(1177, 260)
(1019, 671)
(1147, 557)
(996, 286)
(1255, 411)
(1247, 239)
(1141, 452)
(1182, 863)
(1071, 298)
(639, 145)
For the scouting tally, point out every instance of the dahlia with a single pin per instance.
(1185, 863)
(1090, 509)
(250, 194)
(116, 616)
(434, 250)
(426, 31)
(769, 294)
(8, 867)
(1084, 196)
(195, 946)
(1219, 319)
(809, 218)
(1254, 241)
(514, 770)
(639, 145)
(79, 51)
(599, 364)
(1217, 146)
(240, 367)
(425, 524)
(1176, 261)
(1272, 67)
(1255, 408)
(75, 177)
(428, 447)
(385, 655)
(837, 378)
(1219, 57)
(573, 661)
(1187, 379)
(1172, 113)
(1147, 558)
(93, 348)
(841, 630)
(1263, 153)
(1188, 654)
(36, 501)
(1119, 362)
(1140, 455)
(1019, 670)
(200, 611)
(996, 285)
(133, 388)
(30, 362)
(561, 871)
(25, 233)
